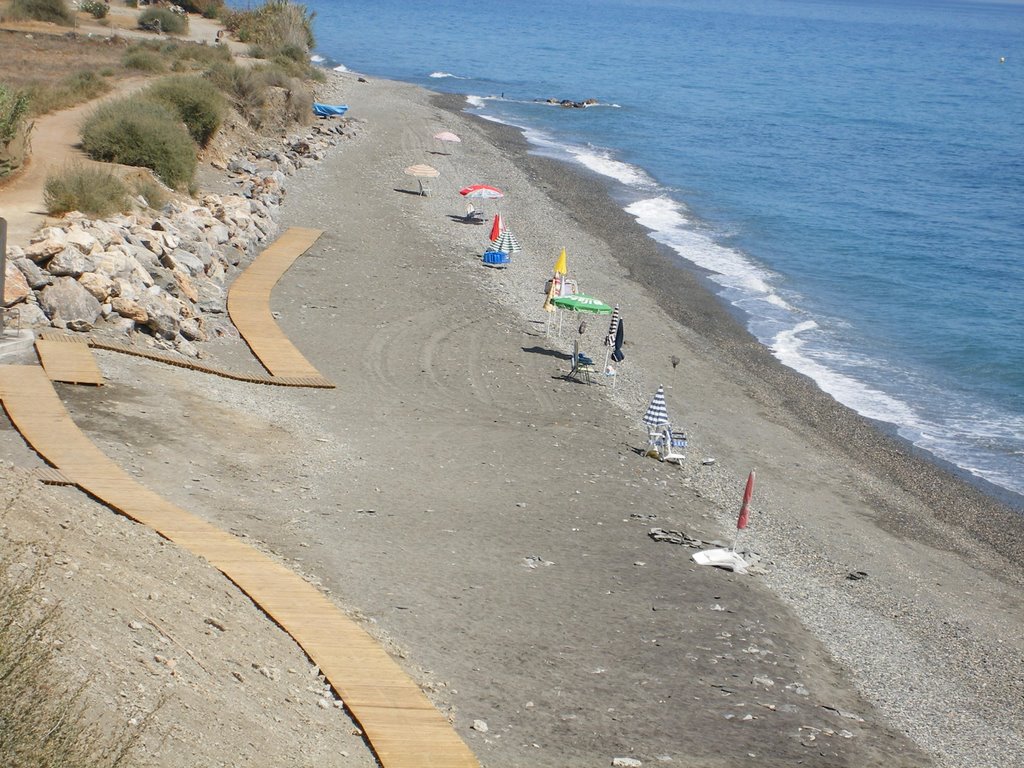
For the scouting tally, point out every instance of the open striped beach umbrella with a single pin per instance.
(447, 136)
(657, 414)
(507, 242)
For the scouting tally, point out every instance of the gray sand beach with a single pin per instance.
(489, 520)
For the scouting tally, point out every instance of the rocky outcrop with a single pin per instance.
(160, 277)
(572, 104)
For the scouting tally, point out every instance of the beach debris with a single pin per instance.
(480, 725)
(708, 462)
(674, 360)
(532, 561)
(626, 762)
(856, 575)
(676, 537)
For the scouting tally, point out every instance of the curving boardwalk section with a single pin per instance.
(404, 729)
(249, 305)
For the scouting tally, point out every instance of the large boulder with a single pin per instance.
(130, 309)
(100, 286)
(16, 287)
(35, 277)
(164, 316)
(70, 262)
(69, 305)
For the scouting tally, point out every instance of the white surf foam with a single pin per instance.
(341, 68)
(316, 58)
(440, 75)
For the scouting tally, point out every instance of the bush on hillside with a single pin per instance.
(149, 189)
(195, 100)
(44, 719)
(279, 27)
(142, 133)
(244, 86)
(205, 8)
(55, 11)
(13, 110)
(96, 8)
(163, 20)
(144, 60)
(94, 191)
(74, 89)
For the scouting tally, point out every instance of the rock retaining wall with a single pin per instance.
(160, 277)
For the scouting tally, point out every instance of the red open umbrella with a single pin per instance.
(482, 192)
(741, 523)
(497, 228)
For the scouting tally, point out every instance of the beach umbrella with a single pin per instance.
(741, 522)
(730, 559)
(613, 327)
(561, 266)
(614, 339)
(497, 228)
(507, 242)
(422, 171)
(482, 192)
(447, 136)
(657, 413)
(579, 302)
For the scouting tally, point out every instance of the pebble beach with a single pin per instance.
(490, 520)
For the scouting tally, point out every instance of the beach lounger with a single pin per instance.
(667, 444)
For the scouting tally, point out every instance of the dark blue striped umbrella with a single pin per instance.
(657, 413)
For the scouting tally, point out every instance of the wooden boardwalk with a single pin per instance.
(404, 729)
(249, 304)
(68, 362)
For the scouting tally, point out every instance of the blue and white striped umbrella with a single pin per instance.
(613, 328)
(506, 242)
(657, 413)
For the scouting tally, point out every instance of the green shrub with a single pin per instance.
(132, 3)
(194, 56)
(13, 110)
(276, 26)
(142, 133)
(76, 88)
(55, 11)
(195, 100)
(163, 20)
(96, 8)
(93, 191)
(206, 8)
(245, 87)
(150, 190)
(144, 60)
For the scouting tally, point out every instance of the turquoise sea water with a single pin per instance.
(850, 172)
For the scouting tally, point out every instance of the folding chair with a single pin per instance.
(582, 366)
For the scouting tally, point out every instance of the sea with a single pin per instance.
(849, 174)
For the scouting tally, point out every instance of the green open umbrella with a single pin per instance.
(580, 303)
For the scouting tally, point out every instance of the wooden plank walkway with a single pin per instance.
(404, 729)
(172, 358)
(249, 304)
(69, 362)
